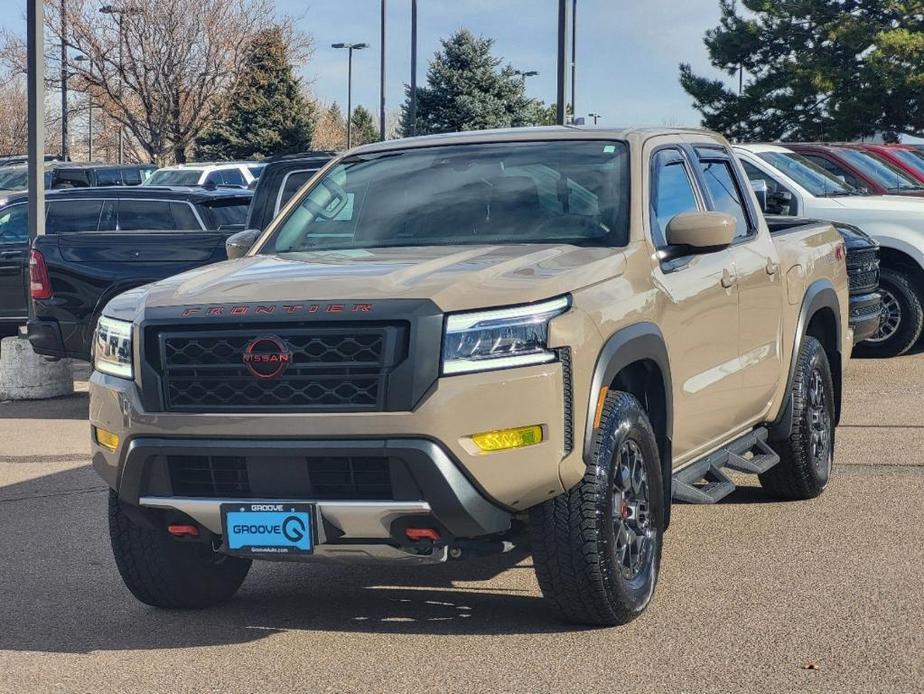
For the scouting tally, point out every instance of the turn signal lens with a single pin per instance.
(106, 439)
(508, 438)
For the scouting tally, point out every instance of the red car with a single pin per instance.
(909, 159)
(860, 168)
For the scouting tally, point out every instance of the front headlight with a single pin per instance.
(500, 338)
(112, 347)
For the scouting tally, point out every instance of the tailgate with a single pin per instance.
(140, 246)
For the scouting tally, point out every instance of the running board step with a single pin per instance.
(703, 482)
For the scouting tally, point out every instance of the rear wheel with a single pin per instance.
(597, 548)
(807, 456)
(902, 317)
(164, 572)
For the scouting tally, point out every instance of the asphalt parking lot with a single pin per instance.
(755, 595)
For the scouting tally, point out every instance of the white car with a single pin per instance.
(796, 186)
(228, 174)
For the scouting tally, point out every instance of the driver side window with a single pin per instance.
(671, 193)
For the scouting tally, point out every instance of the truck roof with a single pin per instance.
(757, 148)
(553, 132)
(192, 194)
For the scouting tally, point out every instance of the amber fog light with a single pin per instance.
(106, 439)
(505, 439)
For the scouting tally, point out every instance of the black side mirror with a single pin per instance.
(237, 245)
(762, 191)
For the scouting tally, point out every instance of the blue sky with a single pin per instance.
(628, 52)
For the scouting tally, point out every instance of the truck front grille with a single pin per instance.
(328, 369)
(863, 271)
(238, 477)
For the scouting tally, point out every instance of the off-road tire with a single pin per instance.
(905, 293)
(574, 536)
(164, 572)
(799, 474)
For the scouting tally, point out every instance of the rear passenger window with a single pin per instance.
(672, 194)
(233, 177)
(725, 194)
(67, 216)
(108, 177)
(156, 215)
(229, 215)
(13, 227)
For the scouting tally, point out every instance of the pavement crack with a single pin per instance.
(62, 458)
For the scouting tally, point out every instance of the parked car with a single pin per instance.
(71, 175)
(203, 174)
(859, 169)
(440, 336)
(797, 187)
(907, 158)
(85, 267)
(281, 179)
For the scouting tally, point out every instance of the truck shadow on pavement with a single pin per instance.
(60, 591)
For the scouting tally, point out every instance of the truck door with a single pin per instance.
(699, 318)
(757, 271)
(14, 246)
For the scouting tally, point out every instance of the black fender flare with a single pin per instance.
(638, 342)
(819, 295)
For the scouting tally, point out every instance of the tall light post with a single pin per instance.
(350, 48)
(85, 59)
(65, 139)
(595, 116)
(573, 56)
(527, 73)
(412, 115)
(119, 13)
(382, 77)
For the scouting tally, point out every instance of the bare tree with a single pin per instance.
(330, 130)
(159, 69)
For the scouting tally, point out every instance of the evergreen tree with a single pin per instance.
(365, 129)
(330, 131)
(266, 112)
(467, 89)
(816, 70)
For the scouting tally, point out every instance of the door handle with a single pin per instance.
(772, 268)
(728, 278)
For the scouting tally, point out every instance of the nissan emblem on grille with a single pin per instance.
(267, 357)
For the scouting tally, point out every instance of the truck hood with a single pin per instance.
(453, 277)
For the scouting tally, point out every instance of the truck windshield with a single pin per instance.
(573, 191)
(889, 177)
(812, 177)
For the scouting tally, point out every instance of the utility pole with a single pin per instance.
(65, 139)
(562, 71)
(573, 56)
(412, 111)
(382, 77)
(35, 63)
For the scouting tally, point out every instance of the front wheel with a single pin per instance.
(901, 321)
(164, 572)
(597, 548)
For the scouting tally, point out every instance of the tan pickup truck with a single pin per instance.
(447, 346)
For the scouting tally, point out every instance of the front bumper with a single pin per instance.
(865, 314)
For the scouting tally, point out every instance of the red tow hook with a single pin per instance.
(415, 534)
(183, 530)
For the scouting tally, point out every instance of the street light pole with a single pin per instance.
(350, 48)
(412, 115)
(35, 61)
(65, 149)
(573, 56)
(382, 77)
(595, 116)
(562, 71)
(119, 13)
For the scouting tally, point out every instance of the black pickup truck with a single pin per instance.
(99, 243)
